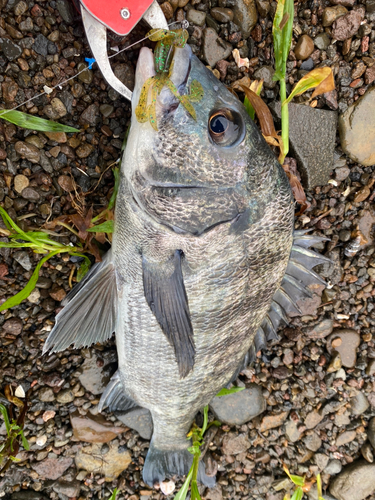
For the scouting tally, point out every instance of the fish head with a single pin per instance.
(193, 173)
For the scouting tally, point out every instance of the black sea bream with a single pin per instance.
(204, 264)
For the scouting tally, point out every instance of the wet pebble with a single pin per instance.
(355, 482)
(214, 49)
(345, 342)
(93, 428)
(138, 419)
(13, 326)
(240, 407)
(27, 151)
(234, 444)
(304, 47)
(52, 468)
(346, 26)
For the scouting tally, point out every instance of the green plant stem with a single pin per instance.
(284, 121)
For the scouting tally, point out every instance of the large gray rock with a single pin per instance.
(214, 48)
(357, 129)
(312, 134)
(240, 407)
(355, 482)
(138, 419)
(245, 16)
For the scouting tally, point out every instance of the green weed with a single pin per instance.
(196, 434)
(31, 122)
(302, 486)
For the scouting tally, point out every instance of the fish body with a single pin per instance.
(203, 239)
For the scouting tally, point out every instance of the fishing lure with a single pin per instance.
(167, 41)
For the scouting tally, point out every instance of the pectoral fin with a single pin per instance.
(89, 315)
(165, 293)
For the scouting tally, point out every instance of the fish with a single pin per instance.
(204, 265)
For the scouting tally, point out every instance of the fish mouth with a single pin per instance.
(180, 71)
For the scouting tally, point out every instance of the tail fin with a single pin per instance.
(161, 464)
(89, 315)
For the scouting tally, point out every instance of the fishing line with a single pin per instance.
(48, 90)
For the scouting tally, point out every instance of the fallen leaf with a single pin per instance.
(296, 186)
(263, 113)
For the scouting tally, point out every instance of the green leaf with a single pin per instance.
(194, 450)
(25, 442)
(14, 459)
(226, 392)
(25, 292)
(282, 36)
(105, 227)
(4, 413)
(321, 78)
(31, 122)
(9, 222)
(116, 174)
(205, 420)
(298, 494)
(181, 494)
(297, 480)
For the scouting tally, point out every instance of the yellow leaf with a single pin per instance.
(321, 78)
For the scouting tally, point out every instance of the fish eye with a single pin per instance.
(225, 127)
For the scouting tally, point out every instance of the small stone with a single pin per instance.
(367, 452)
(342, 173)
(47, 415)
(345, 438)
(66, 11)
(85, 74)
(346, 26)
(304, 47)
(312, 442)
(58, 294)
(334, 467)
(292, 432)
(266, 73)
(65, 396)
(196, 17)
(23, 258)
(41, 440)
(30, 194)
(68, 489)
(234, 444)
(273, 421)
(167, 9)
(95, 373)
(10, 49)
(330, 14)
(214, 49)
(371, 432)
(359, 404)
(138, 419)
(20, 8)
(27, 151)
(313, 419)
(90, 115)
(10, 90)
(66, 183)
(321, 461)
(20, 183)
(245, 15)
(106, 110)
(167, 487)
(13, 326)
(320, 330)
(222, 15)
(322, 41)
(84, 150)
(335, 363)
(110, 464)
(370, 75)
(355, 482)
(347, 348)
(41, 45)
(240, 407)
(52, 468)
(263, 7)
(34, 296)
(46, 395)
(362, 194)
(125, 73)
(93, 428)
(370, 369)
(58, 107)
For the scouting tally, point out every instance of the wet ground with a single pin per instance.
(317, 385)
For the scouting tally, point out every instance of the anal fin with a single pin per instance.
(89, 315)
(114, 396)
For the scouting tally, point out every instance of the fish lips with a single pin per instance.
(180, 70)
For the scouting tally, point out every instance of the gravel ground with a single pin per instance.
(313, 393)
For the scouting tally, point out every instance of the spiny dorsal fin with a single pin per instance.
(165, 293)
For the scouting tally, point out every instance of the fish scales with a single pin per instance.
(202, 240)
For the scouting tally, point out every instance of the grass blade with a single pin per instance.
(226, 392)
(4, 413)
(298, 494)
(116, 174)
(105, 227)
(181, 495)
(31, 122)
(25, 292)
